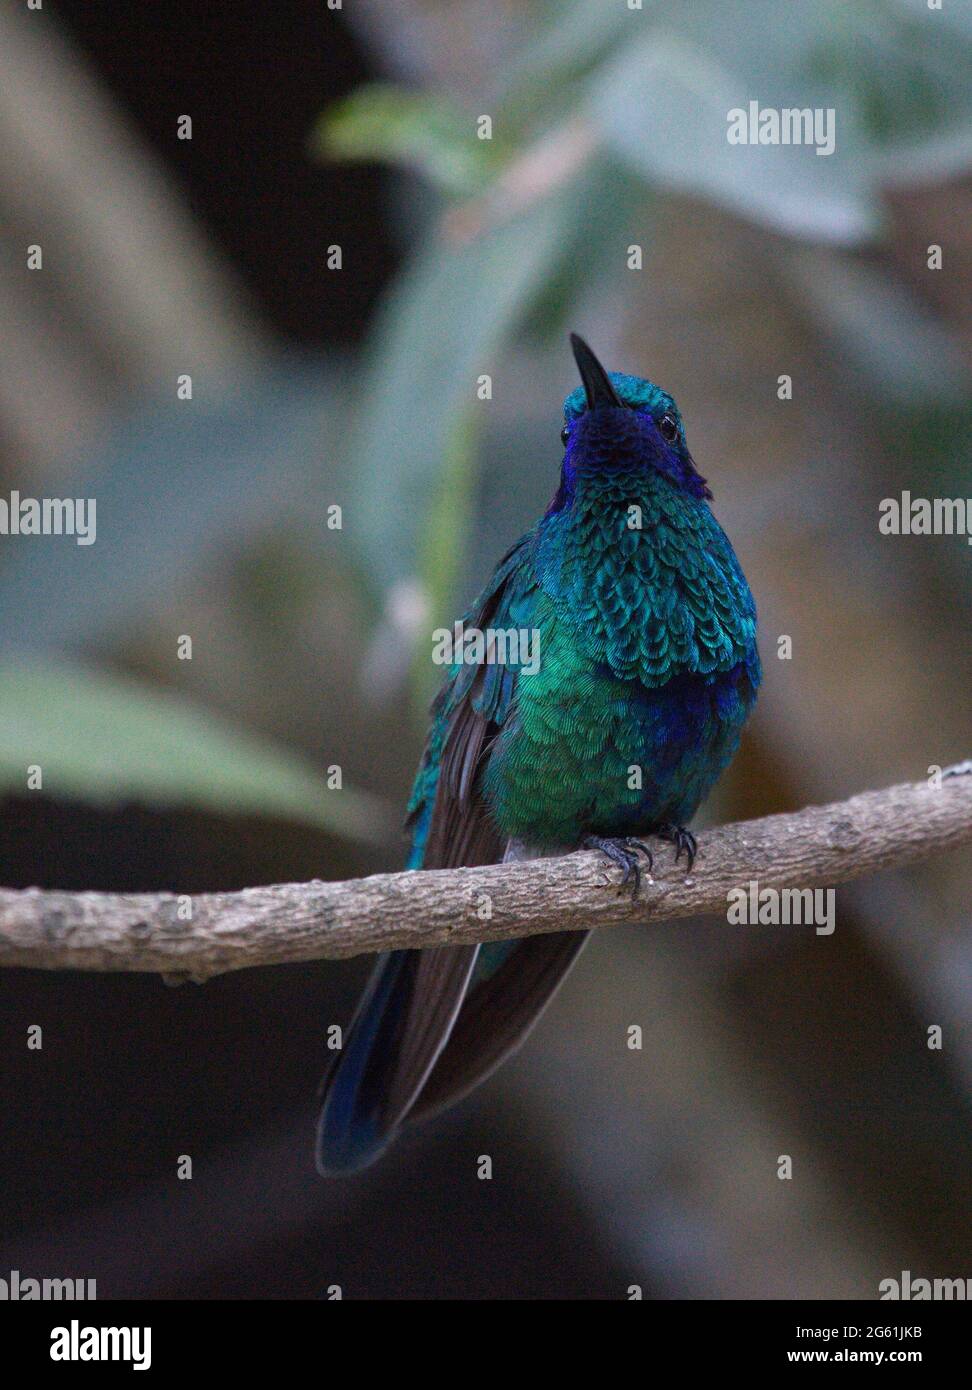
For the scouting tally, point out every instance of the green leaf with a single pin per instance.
(444, 539)
(380, 121)
(576, 36)
(105, 739)
(662, 107)
(891, 73)
(438, 332)
(176, 485)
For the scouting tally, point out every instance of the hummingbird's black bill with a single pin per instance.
(597, 383)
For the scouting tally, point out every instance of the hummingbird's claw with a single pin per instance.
(622, 852)
(682, 839)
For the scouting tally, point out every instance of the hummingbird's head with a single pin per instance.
(617, 423)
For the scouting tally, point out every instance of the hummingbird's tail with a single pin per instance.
(513, 983)
(432, 1025)
(401, 1025)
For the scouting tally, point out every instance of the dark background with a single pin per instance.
(254, 77)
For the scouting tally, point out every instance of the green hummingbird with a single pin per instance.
(647, 668)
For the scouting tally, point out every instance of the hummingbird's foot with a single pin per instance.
(682, 839)
(640, 847)
(624, 853)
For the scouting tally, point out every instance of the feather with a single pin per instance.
(497, 1016)
(413, 999)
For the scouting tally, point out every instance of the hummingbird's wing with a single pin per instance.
(502, 1006)
(400, 1025)
(513, 981)
(413, 998)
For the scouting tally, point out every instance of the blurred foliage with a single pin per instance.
(106, 739)
(430, 133)
(175, 484)
(603, 112)
(599, 93)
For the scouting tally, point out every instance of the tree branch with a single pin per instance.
(819, 846)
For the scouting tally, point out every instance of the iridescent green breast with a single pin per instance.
(647, 670)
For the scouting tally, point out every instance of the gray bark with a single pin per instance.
(818, 846)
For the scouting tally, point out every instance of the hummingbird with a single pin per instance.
(614, 728)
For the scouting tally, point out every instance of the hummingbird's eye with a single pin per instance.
(669, 427)
(564, 436)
